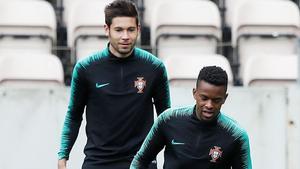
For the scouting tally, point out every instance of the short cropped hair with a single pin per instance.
(214, 75)
(120, 8)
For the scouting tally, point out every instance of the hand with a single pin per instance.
(62, 164)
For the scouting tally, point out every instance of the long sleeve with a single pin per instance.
(74, 113)
(152, 145)
(161, 96)
(242, 158)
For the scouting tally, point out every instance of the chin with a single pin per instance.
(125, 51)
(208, 118)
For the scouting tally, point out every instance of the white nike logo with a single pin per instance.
(101, 85)
(176, 143)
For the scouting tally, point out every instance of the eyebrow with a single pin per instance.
(219, 97)
(119, 27)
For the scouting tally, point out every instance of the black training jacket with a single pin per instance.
(193, 144)
(118, 94)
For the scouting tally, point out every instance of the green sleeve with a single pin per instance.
(162, 100)
(74, 113)
(152, 145)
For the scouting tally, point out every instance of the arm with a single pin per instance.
(153, 144)
(161, 95)
(74, 114)
(242, 158)
(62, 164)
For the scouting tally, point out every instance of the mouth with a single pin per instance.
(207, 114)
(125, 44)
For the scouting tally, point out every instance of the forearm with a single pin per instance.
(152, 145)
(137, 164)
(62, 164)
(68, 137)
(242, 159)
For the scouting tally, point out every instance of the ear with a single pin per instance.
(194, 93)
(225, 97)
(139, 28)
(106, 29)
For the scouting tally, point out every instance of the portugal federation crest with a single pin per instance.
(215, 153)
(140, 84)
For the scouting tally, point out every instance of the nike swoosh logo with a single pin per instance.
(176, 143)
(101, 85)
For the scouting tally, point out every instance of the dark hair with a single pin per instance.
(214, 75)
(119, 8)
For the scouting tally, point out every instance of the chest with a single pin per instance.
(127, 78)
(193, 144)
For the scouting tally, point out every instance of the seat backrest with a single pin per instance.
(25, 24)
(150, 5)
(186, 46)
(87, 46)
(272, 46)
(267, 45)
(271, 70)
(67, 7)
(185, 18)
(24, 44)
(184, 71)
(231, 8)
(30, 69)
(264, 28)
(86, 22)
(257, 17)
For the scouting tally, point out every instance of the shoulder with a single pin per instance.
(88, 62)
(175, 113)
(148, 57)
(94, 58)
(232, 126)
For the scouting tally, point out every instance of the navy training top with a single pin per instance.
(118, 94)
(194, 144)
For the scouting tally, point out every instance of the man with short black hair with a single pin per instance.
(200, 136)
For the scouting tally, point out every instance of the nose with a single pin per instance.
(209, 104)
(125, 35)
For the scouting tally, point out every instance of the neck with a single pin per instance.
(119, 55)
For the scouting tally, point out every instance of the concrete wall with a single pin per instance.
(31, 122)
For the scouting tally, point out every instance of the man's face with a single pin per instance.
(209, 100)
(122, 34)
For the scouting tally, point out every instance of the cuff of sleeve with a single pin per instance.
(62, 156)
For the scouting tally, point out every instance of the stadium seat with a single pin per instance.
(183, 72)
(187, 27)
(85, 27)
(67, 6)
(150, 5)
(27, 26)
(232, 7)
(30, 69)
(256, 32)
(265, 70)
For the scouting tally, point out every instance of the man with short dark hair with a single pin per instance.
(200, 136)
(118, 87)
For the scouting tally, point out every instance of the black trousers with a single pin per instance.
(117, 165)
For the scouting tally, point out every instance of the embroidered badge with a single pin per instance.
(140, 84)
(215, 153)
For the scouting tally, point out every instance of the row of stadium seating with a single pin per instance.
(264, 35)
(186, 35)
